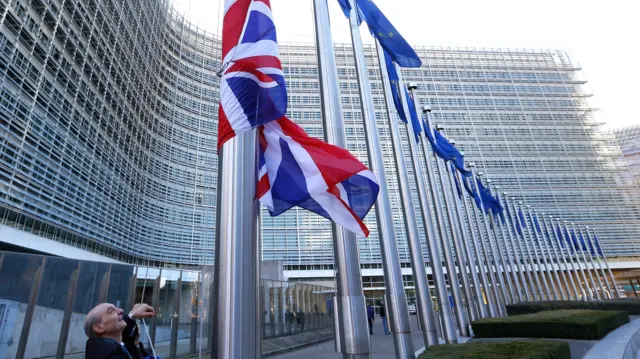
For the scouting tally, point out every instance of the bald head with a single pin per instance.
(104, 321)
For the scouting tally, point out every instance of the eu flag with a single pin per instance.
(500, 209)
(510, 219)
(488, 201)
(472, 192)
(567, 238)
(445, 150)
(434, 144)
(560, 237)
(415, 122)
(598, 248)
(455, 178)
(395, 86)
(591, 250)
(392, 42)
(451, 150)
(345, 5)
(518, 227)
(546, 231)
(536, 224)
(574, 238)
(523, 221)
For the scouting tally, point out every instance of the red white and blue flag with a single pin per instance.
(299, 170)
(295, 169)
(252, 87)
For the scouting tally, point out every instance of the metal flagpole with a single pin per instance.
(593, 266)
(505, 264)
(351, 309)
(600, 265)
(481, 266)
(446, 313)
(463, 324)
(551, 274)
(490, 291)
(511, 275)
(523, 293)
(426, 314)
(455, 240)
(448, 192)
(397, 306)
(509, 250)
(579, 248)
(237, 266)
(604, 258)
(533, 280)
(483, 243)
(543, 266)
(539, 278)
(555, 265)
(580, 286)
(476, 302)
(574, 256)
(499, 267)
(568, 278)
(540, 270)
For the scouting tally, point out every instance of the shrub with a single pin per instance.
(569, 324)
(630, 306)
(530, 349)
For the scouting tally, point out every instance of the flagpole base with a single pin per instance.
(430, 337)
(404, 345)
(353, 326)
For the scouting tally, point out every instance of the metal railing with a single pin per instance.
(44, 300)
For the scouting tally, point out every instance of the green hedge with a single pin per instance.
(569, 324)
(630, 306)
(530, 349)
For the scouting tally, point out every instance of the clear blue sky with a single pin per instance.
(602, 36)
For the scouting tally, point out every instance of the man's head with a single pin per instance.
(104, 321)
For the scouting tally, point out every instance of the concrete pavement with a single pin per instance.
(381, 345)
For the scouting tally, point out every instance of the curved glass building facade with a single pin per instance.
(629, 140)
(108, 125)
(108, 128)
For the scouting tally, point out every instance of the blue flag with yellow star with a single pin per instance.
(415, 122)
(560, 236)
(455, 178)
(536, 224)
(346, 7)
(471, 190)
(574, 239)
(454, 155)
(381, 28)
(488, 201)
(586, 244)
(500, 209)
(598, 248)
(394, 79)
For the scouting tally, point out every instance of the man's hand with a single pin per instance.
(141, 311)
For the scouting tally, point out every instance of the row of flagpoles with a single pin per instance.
(499, 252)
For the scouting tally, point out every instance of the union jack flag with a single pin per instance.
(295, 169)
(299, 170)
(252, 87)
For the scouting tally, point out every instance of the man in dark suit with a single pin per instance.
(371, 316)
(112, 334)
